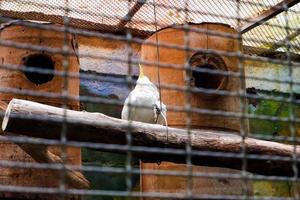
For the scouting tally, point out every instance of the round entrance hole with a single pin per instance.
(207, 71)
(39, 68)
(207, 80)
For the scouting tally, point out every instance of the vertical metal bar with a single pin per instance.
(157, 52)
(243, 106)
(188, 106)
(291, 108)
(128, 166)
(63, 138)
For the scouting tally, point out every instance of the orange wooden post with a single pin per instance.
(18, 83)
(169, 76)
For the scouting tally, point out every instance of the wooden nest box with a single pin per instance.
(21, 81)
(202, 43)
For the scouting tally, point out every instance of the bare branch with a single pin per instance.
(210, 148)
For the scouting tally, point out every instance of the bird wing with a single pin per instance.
(142, 106)
(139, 105)
(129, 106)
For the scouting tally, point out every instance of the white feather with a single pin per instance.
(139, 105)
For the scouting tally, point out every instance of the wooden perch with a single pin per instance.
(40, 153)
(38, 120)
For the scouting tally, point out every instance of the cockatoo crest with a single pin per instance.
(144, 84)
(141, 75)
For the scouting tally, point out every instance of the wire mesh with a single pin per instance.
(227, 70)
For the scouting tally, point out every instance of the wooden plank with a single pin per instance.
(282, 42)
(73, 22)
(127, 18)
(267, 14)
(83, 24)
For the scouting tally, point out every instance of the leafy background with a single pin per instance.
(282, 131)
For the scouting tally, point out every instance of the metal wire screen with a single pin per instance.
(208, 93)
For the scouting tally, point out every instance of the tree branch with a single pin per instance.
(210, 148)
(40, 153)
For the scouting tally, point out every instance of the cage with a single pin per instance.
(149, 99)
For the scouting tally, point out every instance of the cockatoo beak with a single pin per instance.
(141, 71)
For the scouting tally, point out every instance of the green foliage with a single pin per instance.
(271, 108)
(269, 188)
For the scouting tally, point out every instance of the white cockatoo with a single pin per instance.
(143, 103)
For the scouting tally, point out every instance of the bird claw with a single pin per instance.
(157, 112)
(157, 109)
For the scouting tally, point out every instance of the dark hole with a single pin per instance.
(39, 62)
(206, 79)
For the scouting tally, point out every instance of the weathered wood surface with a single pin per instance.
(18, 85)
(40, 153)
(217, 83)
(169, 76)
(43, 121)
